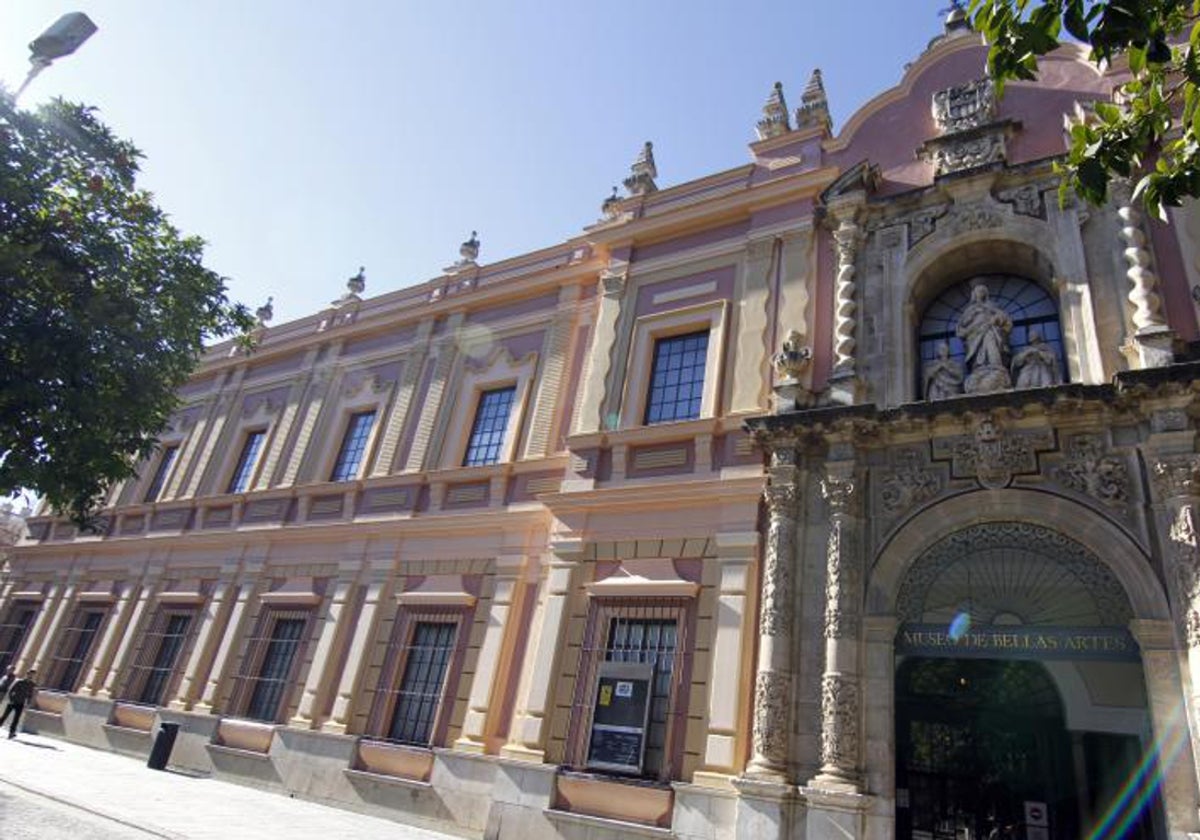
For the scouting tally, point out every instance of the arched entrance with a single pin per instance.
(1020, 707)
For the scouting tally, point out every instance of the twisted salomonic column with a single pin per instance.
(847, 236)
(840, 681)
(773, 681)
(1144, 295)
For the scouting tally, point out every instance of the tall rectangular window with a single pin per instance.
(268, 665)
(419, 696)
(491, 422)
(13, 631)
(354, 445)
(159, 655)
(75, 649)
(239, 482)
(677, 378)
(165, 462)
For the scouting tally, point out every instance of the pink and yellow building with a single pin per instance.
(689, 526)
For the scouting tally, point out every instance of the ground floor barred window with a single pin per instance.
(269, 667)
(13, 632)
(413, 703)
(74, 649)
(655, 633)
(155, 671)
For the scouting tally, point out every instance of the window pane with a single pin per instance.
(12, 633)
(244, 469)
(677, 379)
(420, 693)
(165, 462)
(491, 421)
(166, 642)
(74, 650)
(354, 445)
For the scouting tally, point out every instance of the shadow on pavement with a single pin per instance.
(38, 746)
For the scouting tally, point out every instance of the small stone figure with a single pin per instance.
(943, 376)
(984, 328)
(611, 206)
(1036, 365)
(358, 282)
(265, 312)
(792, 358)
(469, 250)
(643, 172)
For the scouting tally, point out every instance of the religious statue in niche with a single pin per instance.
(984, 328)
(943, 376)
(1036, 364)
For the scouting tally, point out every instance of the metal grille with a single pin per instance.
(165, 462)
(155, 668)
(487, 433)
(74, 649)
(244, 470)
(677, 378)
(410, 705)
(654, 632)
(354, 444)
(268, 668)
(12, 632)
(1028, 304)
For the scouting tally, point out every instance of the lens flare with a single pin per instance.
(1143, 783)
(959, 626)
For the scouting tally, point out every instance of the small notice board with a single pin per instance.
(620, 716)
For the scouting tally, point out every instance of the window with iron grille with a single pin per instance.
(16, 626)
(677, 378)
(165, 462)
(154, 670)
(491, 422)
(354, 446)
(243, 473)
(75, 649)
(654, 632)
(269, 666)
(411, 705)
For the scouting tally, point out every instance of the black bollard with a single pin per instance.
(164, 741)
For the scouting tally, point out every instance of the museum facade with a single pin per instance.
(852, 492)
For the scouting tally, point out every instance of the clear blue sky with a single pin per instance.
(302, 140)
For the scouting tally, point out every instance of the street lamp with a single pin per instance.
(62, 38)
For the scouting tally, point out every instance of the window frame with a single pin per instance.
(603, 614)
(247, 468)
(250, 673)
(368, 442)
(480, 397)
(77, 663)
(659, 344)
(381, 718)
(164, 470)
(144, 666)
(14, 635)
(648, 330)
(497, 371)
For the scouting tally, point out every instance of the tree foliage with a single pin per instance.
(1150, 133)
(104, 308)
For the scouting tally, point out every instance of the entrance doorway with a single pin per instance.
(983, 753)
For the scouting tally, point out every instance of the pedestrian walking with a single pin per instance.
(19, 694)
(10, 677)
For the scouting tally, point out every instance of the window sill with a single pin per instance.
(385, 779)
(620, 827)
(648, 805)
(221, 749)
(394, 761)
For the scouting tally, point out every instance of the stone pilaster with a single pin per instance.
(314, 400)
(127, 637)
(433, 405)
(527, 740)
(491, 653)
(593, 383)
(773, 677)
(211, 620)
(45, 626)
(241, 595)
(283, 427)
(360, 645)
(841, 705)
(552, 371)
(406, 388)
(325, 659)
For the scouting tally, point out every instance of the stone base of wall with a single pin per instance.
(466, 794)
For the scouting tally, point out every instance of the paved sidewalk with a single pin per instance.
(119, 797)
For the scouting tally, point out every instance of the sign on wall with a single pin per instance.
(620, 717)
(1112, 644)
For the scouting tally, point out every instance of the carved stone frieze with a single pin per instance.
(962, 153)
(963, 107)
(1025, 200)
(612, 282)
(910, 482)
(1177, 476)
(841, 491)
(839, 725)
(993, 456)
(923, 222)
(1169, 420)
(1185, 561)
(973, 217)
(776, 614)
(842, 582)
(1089, 468)
(772, 695)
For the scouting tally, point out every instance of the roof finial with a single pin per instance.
(643, 172)
(469, 250)
(358, 282)
(265, 312)
(775, 115)
(611, 206)
(814, 107)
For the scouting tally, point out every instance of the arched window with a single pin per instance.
(1027, 303)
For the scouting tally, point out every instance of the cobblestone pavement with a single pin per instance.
(54, 790)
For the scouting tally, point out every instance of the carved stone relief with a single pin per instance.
(1089, 468)
(772, 691)
(965, 153)
(1026, 200)
(776, 613)
(909, 483)
(991, 455)
(839, 724)
(1177, 476)
(963, 107)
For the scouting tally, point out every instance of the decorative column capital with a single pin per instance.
(612, 281)
(782, 500)
(841, 492)
(1176, 476)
